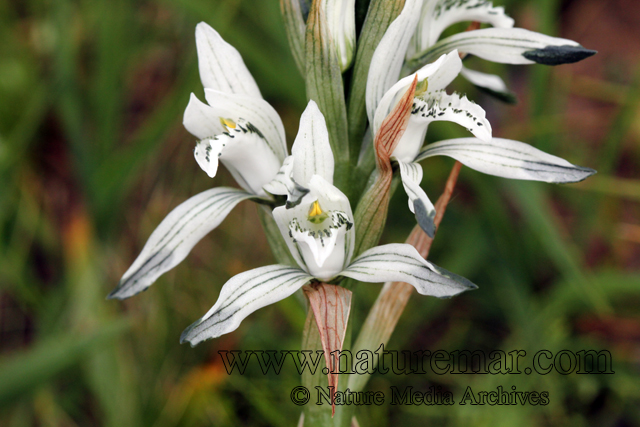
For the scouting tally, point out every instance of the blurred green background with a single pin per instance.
(93, 155)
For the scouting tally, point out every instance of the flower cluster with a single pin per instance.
(238, 128)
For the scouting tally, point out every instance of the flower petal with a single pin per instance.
(507, 46)
(419, 203)
(437, 15)
(207, 153)
(201, 120)
(441, 107)
(387, 60)
(242, 295)
(508, 159)
(438, 75)
(399, 262)
(311, 149)
(284, 185)
(176, 235)
(221, 66)
(489, 83)
(256, 111)
(341, 19)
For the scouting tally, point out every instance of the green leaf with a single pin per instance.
(25, 371)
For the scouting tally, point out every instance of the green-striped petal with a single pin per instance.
(221, 66)
(437, 15)
(399, 262)
(242, 295)
(508, 159)
(311, 150)
(507, 46)
(419, 203)
(176, 235)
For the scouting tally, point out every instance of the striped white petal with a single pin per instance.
(438, 15)
(242, 295)
(508, 159)
(508, 46)
(176, 235)
(419, 203)
(400, 262)
(319, 231)
(388, 57)
(341, 18)
(311, 149)
(489, 83)
(221, 66)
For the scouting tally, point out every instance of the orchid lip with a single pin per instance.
(241, 148)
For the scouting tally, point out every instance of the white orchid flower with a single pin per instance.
(431, 103)
(494, 156)
(502, 43)
(414, 38)
(238, 128)
(320, 234)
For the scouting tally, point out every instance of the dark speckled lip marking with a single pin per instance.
(556, 55)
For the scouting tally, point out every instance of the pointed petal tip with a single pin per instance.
(203, 26)
(113, 294)
(582, 173)
(557, 55)
(425, 218)
(312, 104)
(119, 292)
(587, 172)
(184, 336)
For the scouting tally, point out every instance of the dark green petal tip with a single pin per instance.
(556, 55)
(425, 218)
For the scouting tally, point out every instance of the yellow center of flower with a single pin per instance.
(228, 123)
(422, 87)
(316, 214)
